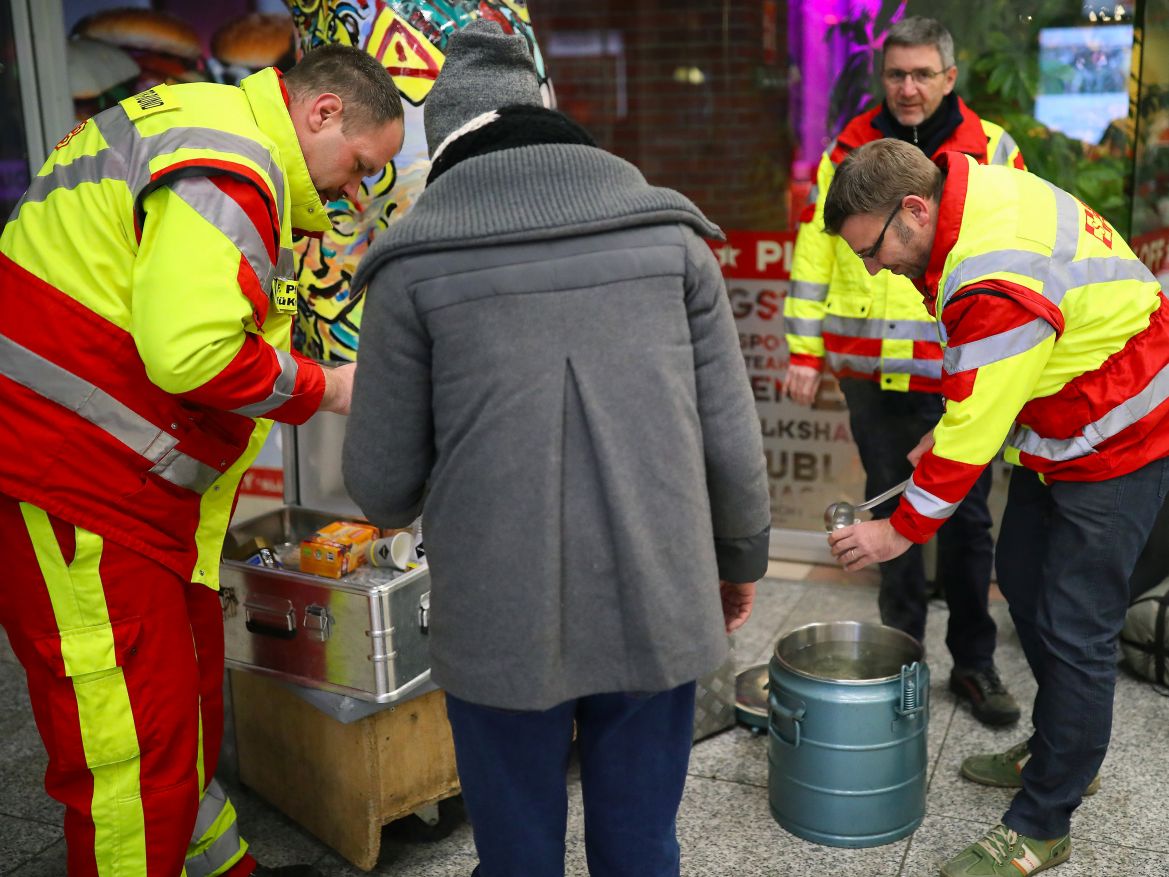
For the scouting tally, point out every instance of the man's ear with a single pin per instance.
(920, 209)
(950, 80)
(325, 109)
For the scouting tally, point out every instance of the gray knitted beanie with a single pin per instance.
(485, 69)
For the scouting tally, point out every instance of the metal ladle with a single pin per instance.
(843, 514)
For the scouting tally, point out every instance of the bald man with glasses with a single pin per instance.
(875, 335)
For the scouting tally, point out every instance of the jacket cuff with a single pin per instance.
(743, 559)
(913, 526)
(807, 360)
(306, 398)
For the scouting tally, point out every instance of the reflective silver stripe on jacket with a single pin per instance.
(224, 848)
(1002, 152)
(925, 503)
(808, 291)
(1057, 273)
(285, 268)
(871, 365)
(87, 401)
(804, 328)
(209, 809)
(900, 330)
(128, 154)
(976, 354)
(282, 388)
(926, 368)
(1113, 423)
(224, 212)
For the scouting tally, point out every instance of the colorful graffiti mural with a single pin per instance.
(409, 37)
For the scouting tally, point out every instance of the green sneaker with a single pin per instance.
(1002, 853)
(1004, 769)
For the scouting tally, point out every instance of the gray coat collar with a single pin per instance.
(533, 193)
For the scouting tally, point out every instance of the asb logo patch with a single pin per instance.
(1095, 225)
(64, 141)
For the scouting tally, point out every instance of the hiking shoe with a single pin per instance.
(1003, 853)
(1004, 769)
(989, 699)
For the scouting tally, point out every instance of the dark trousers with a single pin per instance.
(886, 425)
(634, 750)
(1065, 555)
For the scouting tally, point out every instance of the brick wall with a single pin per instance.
(691, 91)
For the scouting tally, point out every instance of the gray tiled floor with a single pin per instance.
(724, 824)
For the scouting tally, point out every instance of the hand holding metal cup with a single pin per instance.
(843, 514)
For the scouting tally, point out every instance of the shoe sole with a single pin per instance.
(1093, 787)
(993, 719)
(1050, 863)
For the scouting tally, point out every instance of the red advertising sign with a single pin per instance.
(811, 460)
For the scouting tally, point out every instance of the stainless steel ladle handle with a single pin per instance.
(881, 497)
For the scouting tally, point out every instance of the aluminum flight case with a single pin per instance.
(364, 635)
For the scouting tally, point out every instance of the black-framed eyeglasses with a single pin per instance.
(921, 77)
(871, 252)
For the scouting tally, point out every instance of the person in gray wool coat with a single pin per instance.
(550, 372)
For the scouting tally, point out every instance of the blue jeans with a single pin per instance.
(886, 425)
(1065, 555)
(634, 750)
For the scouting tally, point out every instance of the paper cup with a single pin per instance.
(392, 552)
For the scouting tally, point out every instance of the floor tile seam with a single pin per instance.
(941, 747)
(35, 856)
(1079, 838)
(718, 779)
(743, 783)
(52, 823)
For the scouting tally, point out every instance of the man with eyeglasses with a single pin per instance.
(875, 335)
(1058, 345)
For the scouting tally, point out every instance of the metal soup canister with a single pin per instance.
(848, 707)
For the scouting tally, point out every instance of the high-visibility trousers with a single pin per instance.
(124, 662)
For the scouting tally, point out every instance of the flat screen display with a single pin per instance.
(1083, 78)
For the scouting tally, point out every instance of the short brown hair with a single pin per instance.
(873, 178)
(366, 89)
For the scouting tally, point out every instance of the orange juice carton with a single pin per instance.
(337, 549)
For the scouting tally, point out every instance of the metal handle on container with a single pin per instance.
(424, 613)
(913, 698)
(270, 616)
(794, 716)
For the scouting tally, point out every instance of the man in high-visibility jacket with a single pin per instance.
(145, 281)
(1057, 341)
(876, 337)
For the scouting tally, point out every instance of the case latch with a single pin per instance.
(317, 621)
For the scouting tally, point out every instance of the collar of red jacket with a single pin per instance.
(951, 207)
(968, 137)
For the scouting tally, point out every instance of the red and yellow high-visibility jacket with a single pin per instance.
(871, 327)
(144, 282)
(1058, 342)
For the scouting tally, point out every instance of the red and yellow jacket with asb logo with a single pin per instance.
(1057, 342)
(871, 327)
(145, 282)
